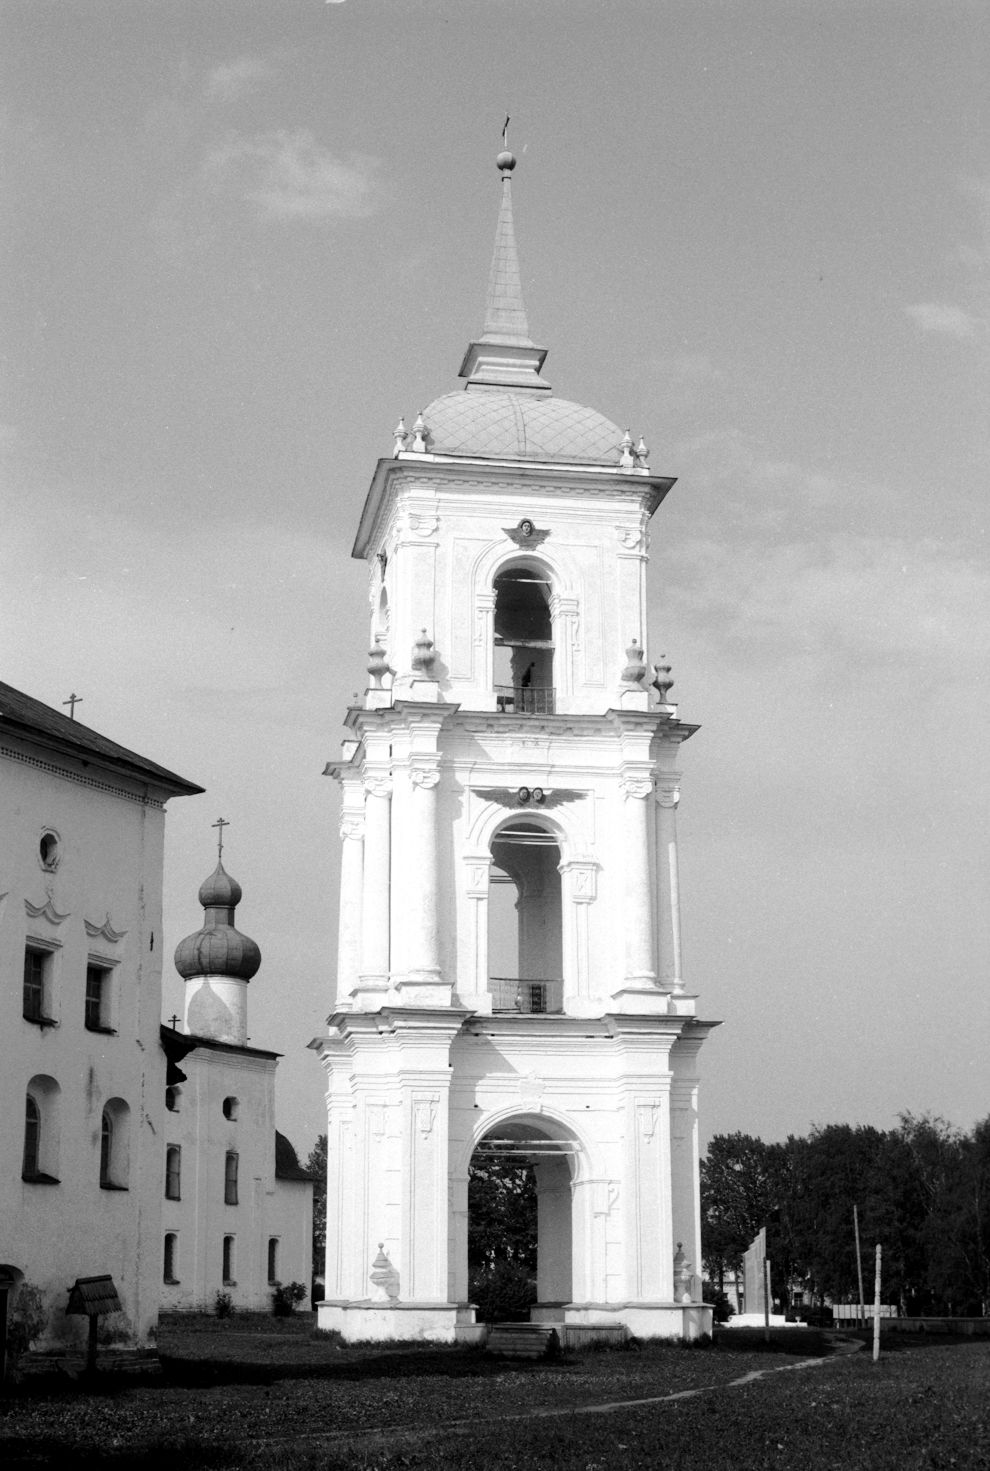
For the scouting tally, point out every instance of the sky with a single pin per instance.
(240, 239)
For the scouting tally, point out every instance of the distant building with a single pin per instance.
(82, 1075)
(238, 1209)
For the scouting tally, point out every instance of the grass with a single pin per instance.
(260, 1392)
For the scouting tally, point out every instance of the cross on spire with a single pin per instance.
(220, 823)
(72, 702)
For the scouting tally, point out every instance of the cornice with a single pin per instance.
(143, 799)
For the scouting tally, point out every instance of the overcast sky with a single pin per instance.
(241, 238)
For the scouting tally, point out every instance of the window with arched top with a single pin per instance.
(273, 1258)
(523, 632)
(39, 1165)
(115, 1145)
(230, 1107)
(525, 921)
(173, 1172)
(230, 1177)
(170, 1272)
(228, 1262)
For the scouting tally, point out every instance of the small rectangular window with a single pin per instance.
(97, 1013)
(273, 1258)
(169, 1272)
(230, 1178)
(228, 1261)
(37, 985)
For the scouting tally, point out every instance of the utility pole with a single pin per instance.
(861, 1315)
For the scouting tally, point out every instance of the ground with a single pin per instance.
(261, 1392)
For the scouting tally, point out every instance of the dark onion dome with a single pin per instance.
(218, 949)
(287, 1166)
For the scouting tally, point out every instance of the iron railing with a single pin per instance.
(525, 699)
(532, 998)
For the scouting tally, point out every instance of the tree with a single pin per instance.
(741, 1186)
(317, 1166)
(502, 1238)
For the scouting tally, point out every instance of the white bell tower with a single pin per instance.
(513, 738)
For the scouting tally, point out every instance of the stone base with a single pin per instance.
(645, 1320)
(360, 1322)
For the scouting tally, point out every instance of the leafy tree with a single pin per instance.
(501, 1213)
(741, 1186)
(317, 1166)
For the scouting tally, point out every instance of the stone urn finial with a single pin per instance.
(384, 1275)
(635, 669)
(423, 655)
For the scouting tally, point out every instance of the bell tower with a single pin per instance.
(513, 745)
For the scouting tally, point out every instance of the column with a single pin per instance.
(421, 959)
(351, 884)
(669, 918)
(375, 901)
(638, 906)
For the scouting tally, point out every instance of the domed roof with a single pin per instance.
(218, 949)
(524, 425)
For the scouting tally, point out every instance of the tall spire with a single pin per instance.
(505, 356)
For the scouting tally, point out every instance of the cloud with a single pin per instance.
(290, 176)
(229, 82)
(943, 317)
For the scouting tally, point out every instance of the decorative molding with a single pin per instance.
(525, 535)
(104, 931)
(378, 786)
(82, 781)
(425, 777)
(648, 1116)
(351, 827)
(637, 787)
(668, 791)
(45, 911)
(509, 797)
(425, 1111)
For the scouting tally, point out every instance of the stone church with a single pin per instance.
(513, 740)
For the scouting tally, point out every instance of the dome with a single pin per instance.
(218, 949)
(520, 426)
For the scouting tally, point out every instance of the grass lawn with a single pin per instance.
(263, 1392)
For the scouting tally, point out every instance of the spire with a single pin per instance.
(505, 355)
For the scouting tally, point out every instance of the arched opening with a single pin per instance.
(41, 1131)
(115, 1145)
(520, 1220)
(523, 656)
(525, 920)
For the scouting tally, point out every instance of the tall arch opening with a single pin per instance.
(523, 630)
(520, 1220)
(525, 922)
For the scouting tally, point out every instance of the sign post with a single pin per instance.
(876, 1307)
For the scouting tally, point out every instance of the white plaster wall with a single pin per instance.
(110, 864)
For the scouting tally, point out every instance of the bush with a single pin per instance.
(285, 1296)
(719, 1301)
(503, 1293)
(223, 1305)
(28, 1321)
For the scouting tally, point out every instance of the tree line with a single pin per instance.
(922, 1190)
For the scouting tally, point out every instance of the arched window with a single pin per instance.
(526, 942)
(273, 1258)
(171, 1253)
(523, 659)
(230, 1107)
(172, 1096)
(173, 1172)
(32, 1139)
(230, 1178)
(40, 1158)
(114, 1152)
(228, 1261)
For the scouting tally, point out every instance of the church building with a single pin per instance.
(513, 742)
(82, 1074)
(237, 1215)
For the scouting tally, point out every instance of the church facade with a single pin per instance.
(513, 744)
(82, 1080)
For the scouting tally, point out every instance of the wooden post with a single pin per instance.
(94, 1324)
(766, 1298)
(861, 1315)
(876, 1308)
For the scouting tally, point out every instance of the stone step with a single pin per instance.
(523, 1340)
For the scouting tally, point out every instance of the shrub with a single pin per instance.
(28, 1321)
(503, 1293)
(223, 1305)
(285, 1296)
(719, 1301)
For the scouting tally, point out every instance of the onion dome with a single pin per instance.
(218, 949)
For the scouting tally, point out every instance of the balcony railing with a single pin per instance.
(531, 998)
(522, 699)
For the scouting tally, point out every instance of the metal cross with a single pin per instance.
(72, 702)
(174, 1020)
(221, 824)
(505, 134)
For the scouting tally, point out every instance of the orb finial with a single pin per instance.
(506, 161)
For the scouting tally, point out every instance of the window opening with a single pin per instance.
(228, 1261)
(97, 1007)
(172, 1094)
(113, 1145)
(173, 1172)
(37, 986)
(230, 1108)
(106, 1146)
(48, 851)
(273, 1259)
(32, 1139)
(168, 1266)
(525, 939)
(230, 1178)
(523, 655)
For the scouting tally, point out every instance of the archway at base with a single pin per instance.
(549, 1152)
